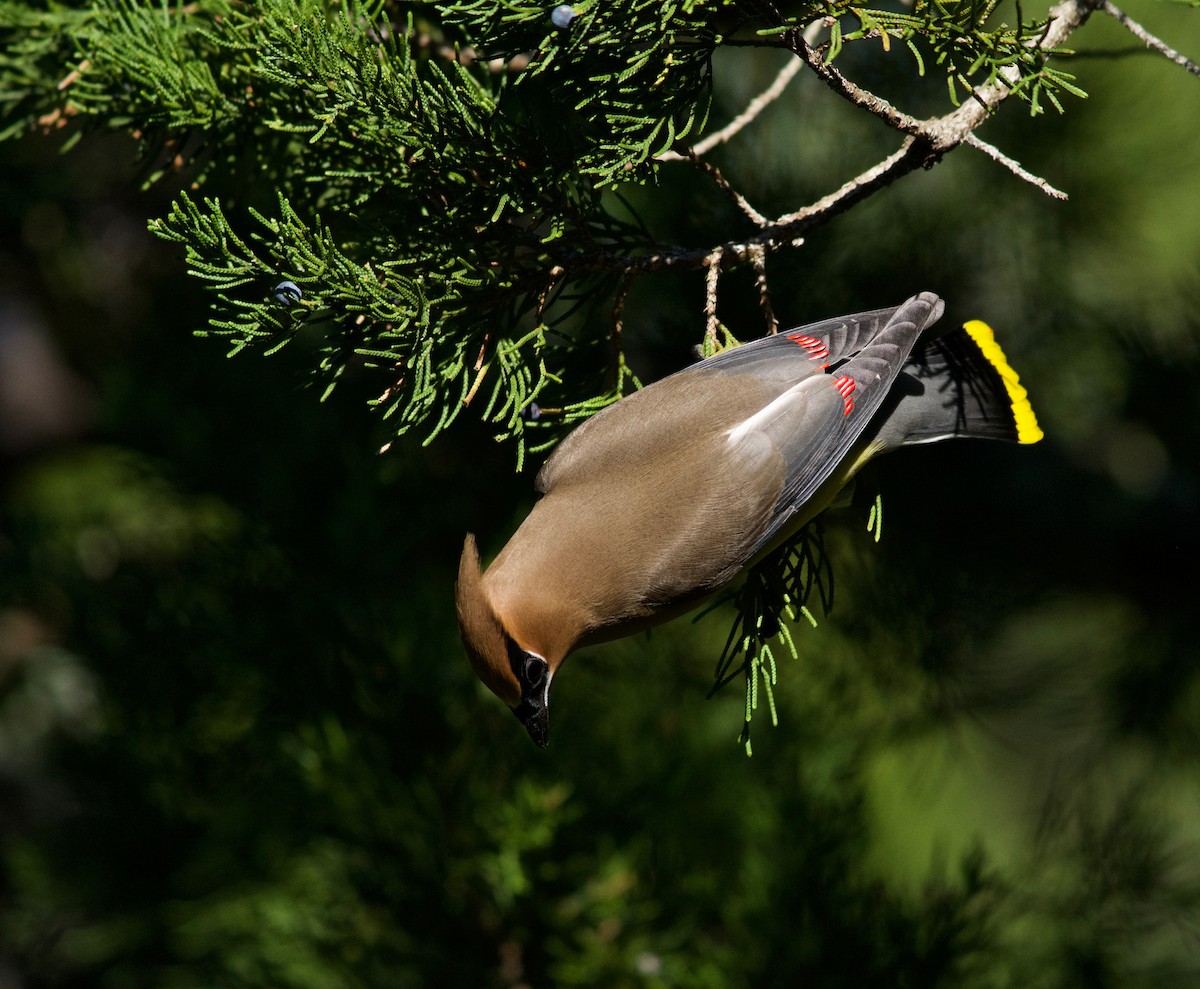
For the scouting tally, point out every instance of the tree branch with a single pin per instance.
(723, 184)
(753, 108)
(1015, 167)
(759, 258)
(710, 298)
(1148, 39)
(747, 116)
(875, 105)
(926, 143)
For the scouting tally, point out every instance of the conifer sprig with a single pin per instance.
(430, 175)
(966, 40)
(775, 592)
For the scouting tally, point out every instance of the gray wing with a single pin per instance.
(762, 378)
(803, 351)
(816, 424)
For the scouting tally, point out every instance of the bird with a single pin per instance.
(660, 500)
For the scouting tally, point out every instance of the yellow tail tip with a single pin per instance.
(1028, 430)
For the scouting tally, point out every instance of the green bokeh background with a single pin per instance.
(240, 744)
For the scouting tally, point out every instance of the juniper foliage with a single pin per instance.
(430, 175)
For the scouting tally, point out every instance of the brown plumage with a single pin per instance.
(662, 499)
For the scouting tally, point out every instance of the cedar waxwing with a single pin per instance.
(660, 500)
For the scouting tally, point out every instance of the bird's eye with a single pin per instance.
(535, 671)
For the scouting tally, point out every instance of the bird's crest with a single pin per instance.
(482, 634)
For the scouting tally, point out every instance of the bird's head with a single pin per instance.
(519, 676)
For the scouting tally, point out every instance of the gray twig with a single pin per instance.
(753, 108)
(710, 297)
(747, 116)
(723, 184)
(1134, 28)
(1014, 166)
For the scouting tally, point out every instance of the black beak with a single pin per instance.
(536, 721)
(534, 710)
